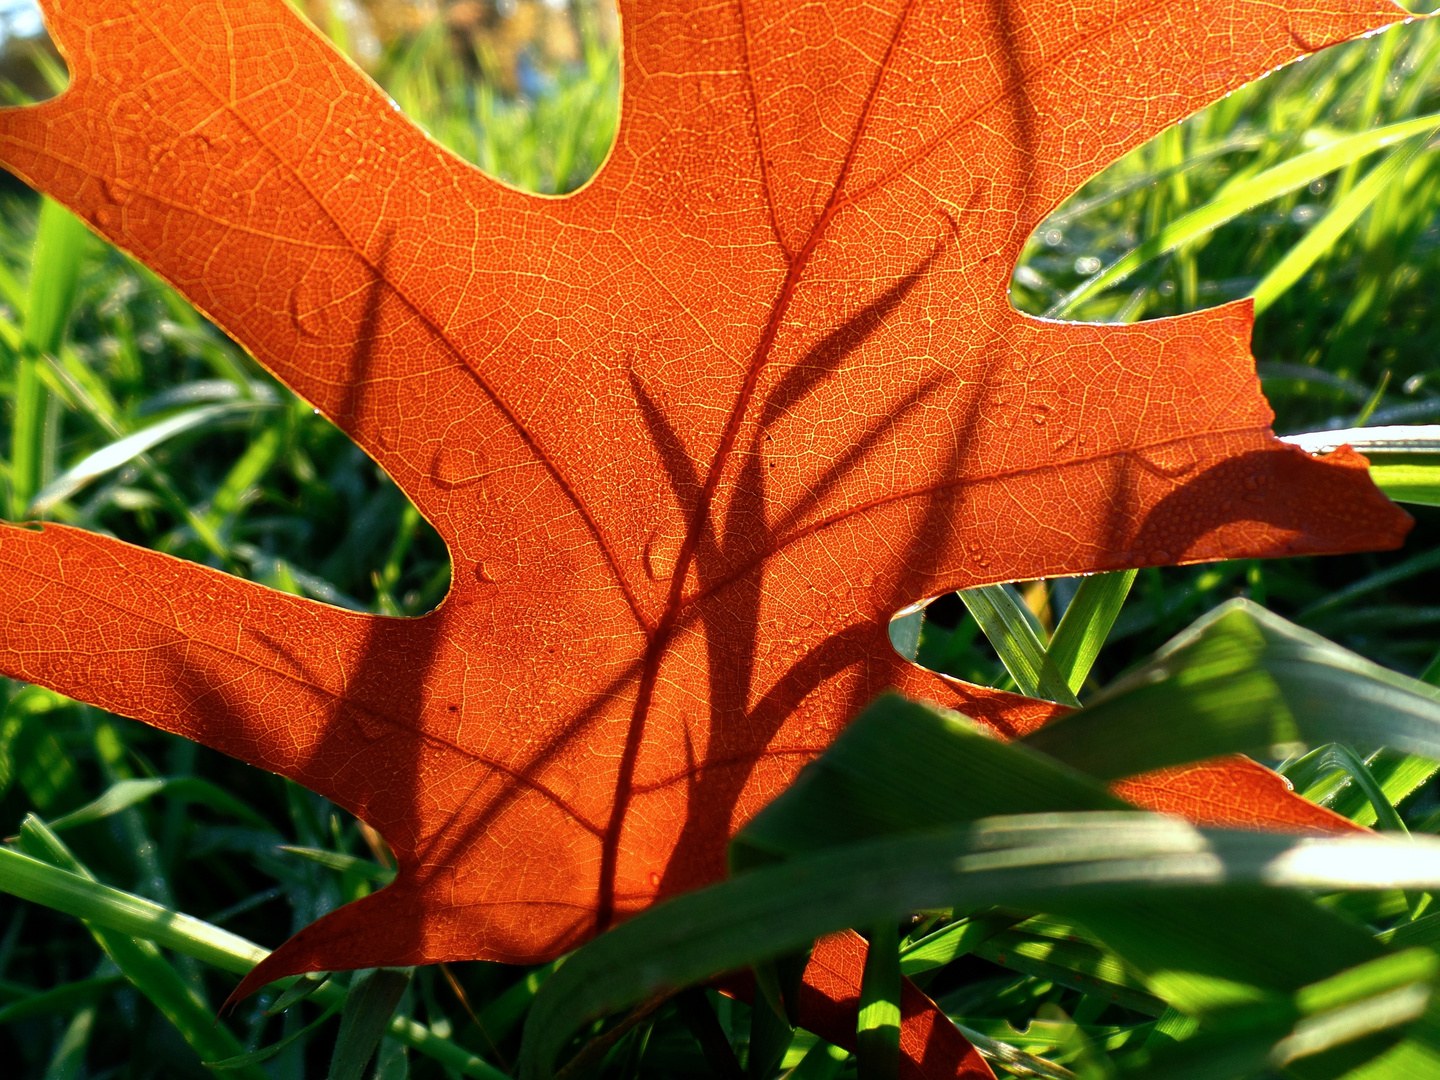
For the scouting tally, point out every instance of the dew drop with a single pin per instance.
(456, 466)
(1172, 461)
(654, 880)
(308, 311)
(492, 572)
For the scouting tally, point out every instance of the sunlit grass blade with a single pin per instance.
(125, 450)
(127, 793)
(1012, 1059)
(1385, 814)
(39, 882)
(1404, 460)
(144, 965)
(1242, 679)
(60, 242)
(1037, 862)
(1245, 195)
(877, 1034)
(950, 942)
(1085, 625)
(1399, 775)
(1076, 964)
(1020, 649)
(823, 1061)
(1328, 229)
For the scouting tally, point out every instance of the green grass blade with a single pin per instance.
(1086, 624)
(1246, 195)
(59, 251)
(1418, 484)
(1012, 1059)
(1385, 813)
(27, 435)
(369, 1005)
(60, 243)
(771, 1034)
(877, 1032)
(1038, 862)
(1404, 459)
(61, 999)
(1399, 775)
(823, 1061)
(124, 794)
(1404, 570)
(265, 1053)
(902, 766)
(1078, 965)
(1328, 229)
(949, 943)
(1242, 679)
(39, 882)
(68, 1061)
(345, 864)
(1008, 626)
(144, 965)
(127, 449)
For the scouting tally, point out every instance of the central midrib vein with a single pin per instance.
(660, 636)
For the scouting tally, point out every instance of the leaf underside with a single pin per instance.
(692, 434)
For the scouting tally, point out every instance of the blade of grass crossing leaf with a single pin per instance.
(877, 1031)
(1086, 624)
(1242, 196)
(1242, 679)
(1036, 862)
(823, 1061)
(1325, 232)
(369, 1005)
(1008, 627)
(144, 965)
(41, 883)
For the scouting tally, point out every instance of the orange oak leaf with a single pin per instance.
(692, 434)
